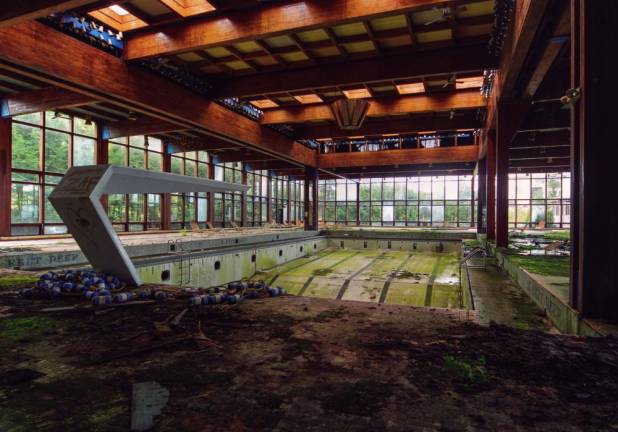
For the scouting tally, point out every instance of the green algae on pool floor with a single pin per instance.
(399, 277)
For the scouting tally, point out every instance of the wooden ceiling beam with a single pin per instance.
(14, 12)
(390, 126)
(413, 104)
(399, 157)
(406, 170)
(111, 79)
(472, 58)
(44, 99)
(140, 126)
(538, 153)
(541, 164)
(268, 20)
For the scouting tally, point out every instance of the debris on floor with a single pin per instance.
(292, 363)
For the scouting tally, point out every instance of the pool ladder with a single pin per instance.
(464, 261)
(177, 248)
(474, 252)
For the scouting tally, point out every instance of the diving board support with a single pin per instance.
(77, 199)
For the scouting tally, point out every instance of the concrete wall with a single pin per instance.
(394, 244)
(565, 318)
(32, 260)
(219, 267)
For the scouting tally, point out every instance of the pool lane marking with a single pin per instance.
(346, 283)
(308, 282)
(301, 264)
(387, 284)
(430, 282)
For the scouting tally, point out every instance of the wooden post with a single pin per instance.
(102, 156)
(5, 176)
(211, 195)
(311, 199)
(482, 196)
(269, 190)
(596, 213)
(166, 201)
(509, 115)
(502, 174)
(243, 199)
(358, 203)
(491, 186)
(574, 286)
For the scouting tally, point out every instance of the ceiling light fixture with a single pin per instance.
(410, 88)
(119, 10)
(360, 93)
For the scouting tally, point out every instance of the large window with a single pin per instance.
(135, 212)
(257, 198)
(189, 207)
(401, 201)
(540, 200)
(44, 146)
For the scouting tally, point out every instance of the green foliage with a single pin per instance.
(543, 265)
(469, 375)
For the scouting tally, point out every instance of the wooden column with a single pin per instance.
(358, 203)
(269, 190)
(5, 177)
(166, 201)
(243, 199)
(102, 156)
(574, 288)
(211, 196)
(491, 186)
(472, 197)
(482, 196)
(311, 199)
(596, 155)
(502, 175)
(509, 116)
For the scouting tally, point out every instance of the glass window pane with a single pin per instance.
(84, 127)
(56, 151)
(154, 208)
(116, 207)
(83, 151)
(136, 208)
(136, 158)
(155, 162)
(155, 144)
(50, 212)
(26, 145)
(34, 118)
(116, 154)
(137, 141)
(24, 203)
(57, 121)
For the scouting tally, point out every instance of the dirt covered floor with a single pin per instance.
(297, 364)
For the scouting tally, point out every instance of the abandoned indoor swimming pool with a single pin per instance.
(414, 273)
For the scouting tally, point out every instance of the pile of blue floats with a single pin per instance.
(234, 293)
(99, 288)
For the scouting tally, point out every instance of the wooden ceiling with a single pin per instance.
(419, 63)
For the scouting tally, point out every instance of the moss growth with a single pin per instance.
(14, 282)
(468, 375)
(543, 265)
(13, 330)
(472, 243)
(558, 235)
(322, 271)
